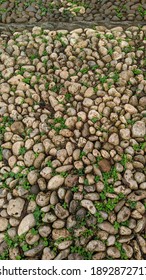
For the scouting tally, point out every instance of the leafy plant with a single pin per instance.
(75, 189)
(81, 251)
(124, 161)
(140, 146)
(136, 71)
(122, 251)
(22, 151)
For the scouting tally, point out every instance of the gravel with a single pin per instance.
(73, 143)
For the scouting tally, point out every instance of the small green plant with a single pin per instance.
(94, 119)
(140, 146)
(141, 10)
(131, 122)
(99, 217)
(49, 163)
(22, 151)
(37, 215)
(34, 56)
(82, 153)
(5, 255)
(109, 36)
(27, 80)
(119, 13)
(97, 178)
(136, 71)
(68, 96)
(59, 124)
(86, 182)
(124, 161)
(1, 155)
(103, 79)
(116, 225)
(65, 205)
(87, 233)
(26, 185)
(81, 251)
(21, 71)
(94, 67)
(34, 231)
(132, 204)
(110, 51)
(122, 251)
(84, 70)
(64, 174)
(75, 189)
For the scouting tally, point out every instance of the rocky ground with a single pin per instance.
(32, 11)
(73, 143)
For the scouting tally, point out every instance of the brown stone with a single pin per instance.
(104, 165)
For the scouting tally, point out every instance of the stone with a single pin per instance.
(95, 246)
(114, 139)
(125, 133)
(64, 74)
(55, 182)
(29, 158)
(130, 109)
(17, 127)
(107, 227)
(48, 254)
(32, 177)
(60, 212)
(58, 233)
(26, 223)
(89, 92)
(113, 252)
(34, 251)
(88, 205)
(16, 147)
(46, 173)
(123, 215)
(104, 165)
(71, 180)
(42, 198)
(15, 207)
(139, 129)
(3, 224)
